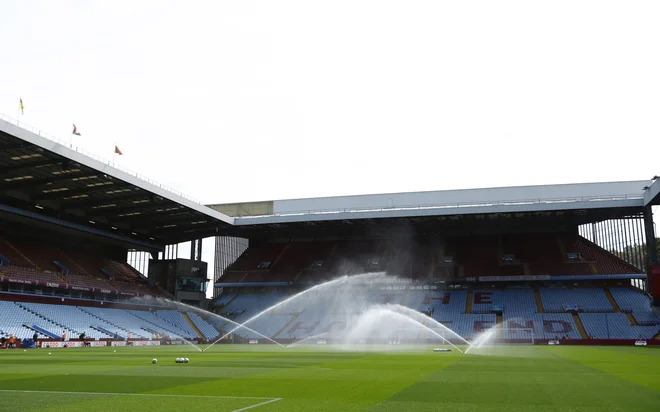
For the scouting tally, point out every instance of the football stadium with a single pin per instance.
(536, 298)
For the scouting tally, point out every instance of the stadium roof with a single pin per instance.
(44, 179)
(546, 207)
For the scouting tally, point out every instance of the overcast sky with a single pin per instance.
(259, 100)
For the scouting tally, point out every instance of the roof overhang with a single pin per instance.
(36, 174)
(611, 195)
(652, 195)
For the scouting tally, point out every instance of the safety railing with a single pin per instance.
(107, 162)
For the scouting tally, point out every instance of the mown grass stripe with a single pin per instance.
(138, 394)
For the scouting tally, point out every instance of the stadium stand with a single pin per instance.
(176, 319)
(19, 322)
(206, 328)
(448, 307)
(306, 318)
(615, 326)
(545, 326)
(582, 299)
(631, 300)
(442, 302)
(69, 318)
(506, 255)
(30, 274)
(153, 322)
(468, 326)
(510, 301)
(223, 300)
(41, 260)
(22, 318)
(469, 312)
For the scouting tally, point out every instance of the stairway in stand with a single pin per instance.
(539, 301)
(192, 325)
(294, 316)
(580, 326)
(609, 296)
(468, 303)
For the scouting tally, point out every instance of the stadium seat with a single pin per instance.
(585, 299)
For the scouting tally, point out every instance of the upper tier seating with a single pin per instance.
(83, 280)
(34, 259)
(606, 263)
(543, 253)
(22, 273)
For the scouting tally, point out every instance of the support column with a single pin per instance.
(199, 249)
(594, 238)
(651, 243)
(651, 246)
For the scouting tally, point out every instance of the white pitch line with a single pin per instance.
(257, 405)
(144, 394)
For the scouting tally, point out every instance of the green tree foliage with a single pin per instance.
(635, 254)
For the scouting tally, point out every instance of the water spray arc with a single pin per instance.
(305, 339)
(387, 312)
(284, 302)
(177, 335)
(194, 309)
(420, 318)
(351, 301)
(483, 338)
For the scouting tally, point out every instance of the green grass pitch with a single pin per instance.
(266, 378)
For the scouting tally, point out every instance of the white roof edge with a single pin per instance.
(440, 210)
(494, 188)
(57, 146)
(652, 193)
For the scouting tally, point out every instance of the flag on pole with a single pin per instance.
(117, 151)
(75, 130)
(21, 105)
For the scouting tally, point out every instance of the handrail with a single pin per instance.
(450, 205)
(61, 142)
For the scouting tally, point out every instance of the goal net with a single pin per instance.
(496, 340)
(523, 336)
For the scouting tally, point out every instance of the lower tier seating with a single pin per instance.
(19, 318)
(615, 326)
(335, 315)
(328, 314)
